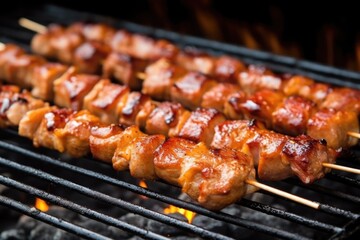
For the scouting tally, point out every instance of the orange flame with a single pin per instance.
(187, 213)
(41, 205)
(144, 185)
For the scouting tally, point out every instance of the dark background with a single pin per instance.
(326, 33)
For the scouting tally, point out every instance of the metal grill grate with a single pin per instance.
(337, 218)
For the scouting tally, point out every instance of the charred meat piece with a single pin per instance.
(14, 105)
(160, 77)
(345, 99)
(307, 88)
(43, 80)
(105, 100)
(89, 56)
(200, 125)
(124, 69)
(333, 126)
(164, 118)
(189, 89)
(214, 178)
(292, 115)
(71, 88)
(217, 96)
(103, 141)
(257, 78)
(134, 104)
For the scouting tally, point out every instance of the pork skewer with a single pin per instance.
(252, 79)
(215, 178)
(111, 102)
(292, 115)
(346, 100)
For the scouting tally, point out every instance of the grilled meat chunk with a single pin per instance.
(70, 89)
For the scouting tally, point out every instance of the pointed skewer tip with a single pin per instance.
(341, 168)
(281, 193)
(31, 25)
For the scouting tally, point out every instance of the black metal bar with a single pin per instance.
(80, 209)
(328, 191)
(114, 201)
(291, 216)
(134, 188)
(338, 212)
(325, 208)
(44, 217)
(344, 179)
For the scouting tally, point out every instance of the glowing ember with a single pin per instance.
(188, 214)
(41, 205)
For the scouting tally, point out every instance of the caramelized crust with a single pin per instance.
(345, 99)
(105, 99)
(214, 178)
(164, 117)
(276, 156)
(70, 89)
(199, 127)
(306, 156)
(217, 96)
(54, 119)
(135, 102)
(14, 105)
(160, 77)
(124, 69)
(7, 55)
(261, 105)
(30, 123)
(43, 80)
(257, 78)
(19, 70)
(73, 138)
(88, 57)
(169, 157)
(142, 156)
(124, 148)
(142, 47)
(292, 115)
(195, 60)
(227, 69)
(333, 126)
(103, 141)
(232, 109)
(189, 89)
(307, 88)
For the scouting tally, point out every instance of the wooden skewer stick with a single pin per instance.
(341, 168)
(287, 195)
(354, 134)
(31, 25)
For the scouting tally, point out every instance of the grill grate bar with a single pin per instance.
(290, 216)
(79, 209)
(331, 192)
(186, 205)
(344, 179)
(326, 208)
(114, 201)
(57, 222)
